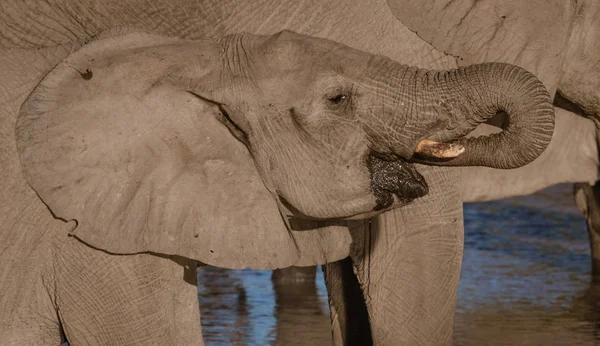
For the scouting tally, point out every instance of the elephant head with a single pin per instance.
(174, 146)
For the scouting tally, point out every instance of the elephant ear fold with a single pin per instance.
(532, 34)
(144, 166)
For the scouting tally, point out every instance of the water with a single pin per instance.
(525, 281)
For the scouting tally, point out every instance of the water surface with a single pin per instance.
(525, 281)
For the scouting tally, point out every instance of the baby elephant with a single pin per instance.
(203, 150)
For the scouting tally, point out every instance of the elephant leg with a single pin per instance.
(408, 264)
(28, 313)
(141, 299)
(587, 199)
(349, 317)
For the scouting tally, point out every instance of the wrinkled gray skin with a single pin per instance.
(410, 286)
(560, 42)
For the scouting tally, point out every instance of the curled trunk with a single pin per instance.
(481, 91)
(444, 106)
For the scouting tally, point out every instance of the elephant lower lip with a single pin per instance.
(398, 177)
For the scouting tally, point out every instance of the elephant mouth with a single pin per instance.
(393, 176)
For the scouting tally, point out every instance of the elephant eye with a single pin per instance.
(337, 99)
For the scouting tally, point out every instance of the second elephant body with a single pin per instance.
(380, 249)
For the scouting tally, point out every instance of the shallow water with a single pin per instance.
(525, 281)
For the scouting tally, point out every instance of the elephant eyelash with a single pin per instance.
(340, 96)
(341, 101)
(338, 99)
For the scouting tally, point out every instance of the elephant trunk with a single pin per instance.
(446, 105)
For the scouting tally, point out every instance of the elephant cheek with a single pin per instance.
(397, 177)
(331, 193)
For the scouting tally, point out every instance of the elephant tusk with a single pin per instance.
(435, 149)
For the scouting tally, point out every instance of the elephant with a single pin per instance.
(559, 42)
(131, 137)
(404, 264)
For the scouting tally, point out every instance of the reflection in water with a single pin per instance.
(298, 316)
(226, 316)
(525, 281)
(302, 316)
(525, 277)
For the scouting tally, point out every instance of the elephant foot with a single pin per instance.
(587, 199)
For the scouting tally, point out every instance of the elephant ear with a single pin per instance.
(144, 166)
(532, 34)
